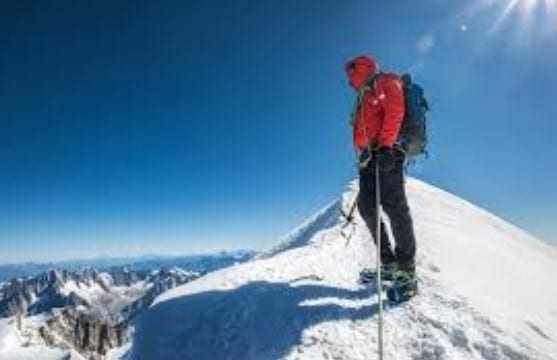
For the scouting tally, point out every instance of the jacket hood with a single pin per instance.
(359, 70)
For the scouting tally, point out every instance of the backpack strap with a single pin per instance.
(370, 82)
(368, 85)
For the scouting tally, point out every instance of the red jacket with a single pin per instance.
(380, 115)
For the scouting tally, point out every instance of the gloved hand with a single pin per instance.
(385, 158)
(365, 157)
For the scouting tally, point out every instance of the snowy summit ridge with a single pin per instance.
(485, 293)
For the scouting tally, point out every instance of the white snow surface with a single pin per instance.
(14, 346)
(487, 291)
(120, 353)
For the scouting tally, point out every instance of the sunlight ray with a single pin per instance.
(550, 7)
(529, 17)
(512, 4)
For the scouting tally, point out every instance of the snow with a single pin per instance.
(118, 353)
(179, 271)
(36, 321)
(108, 299)
(34, 353)
(106, 279)
(486, 292)
(86, 291)
(13, 346)
(300, 236)
(105, 301)
(155, 272)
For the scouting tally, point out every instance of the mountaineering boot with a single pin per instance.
(388, 272)
(405, 286)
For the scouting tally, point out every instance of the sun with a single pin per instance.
(527, 9)
(538, 16)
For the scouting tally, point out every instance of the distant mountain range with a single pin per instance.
(202, 262)
(92, 310)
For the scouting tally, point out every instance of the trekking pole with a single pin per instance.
(378, 260)
(365, 163)
(349, 216)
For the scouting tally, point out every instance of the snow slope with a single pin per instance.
(487, 291)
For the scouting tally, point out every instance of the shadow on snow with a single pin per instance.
(259, 320)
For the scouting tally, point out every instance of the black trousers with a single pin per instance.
(395, 205)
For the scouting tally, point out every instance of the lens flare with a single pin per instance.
(532, 15)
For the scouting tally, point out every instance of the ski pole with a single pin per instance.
(378, 260)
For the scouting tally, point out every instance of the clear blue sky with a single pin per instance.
(135, 127)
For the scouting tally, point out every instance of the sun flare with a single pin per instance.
(528, 10)
(538, 16)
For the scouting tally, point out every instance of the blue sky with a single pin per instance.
(191, 126)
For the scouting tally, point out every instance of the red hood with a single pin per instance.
(359, 70)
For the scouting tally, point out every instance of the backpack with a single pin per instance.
(412, 136)
(413, 132)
